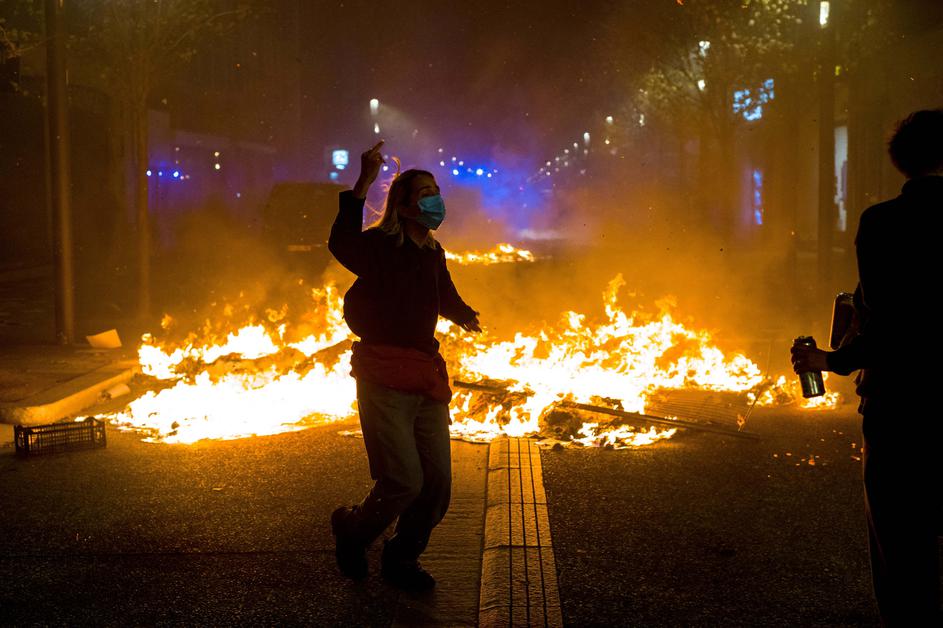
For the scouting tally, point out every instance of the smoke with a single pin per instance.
(669, 257)
(220, 273)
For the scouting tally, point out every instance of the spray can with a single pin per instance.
(813, 385)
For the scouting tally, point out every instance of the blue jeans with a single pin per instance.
(407, 440)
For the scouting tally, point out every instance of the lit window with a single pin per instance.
(824, 9)
(757, 180)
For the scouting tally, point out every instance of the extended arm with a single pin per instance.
(451, 305)
(872, 344)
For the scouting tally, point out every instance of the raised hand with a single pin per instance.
(370, 163)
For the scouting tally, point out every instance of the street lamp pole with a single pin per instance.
(826, 200)
(57, 112)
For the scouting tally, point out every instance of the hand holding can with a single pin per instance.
(809, 361)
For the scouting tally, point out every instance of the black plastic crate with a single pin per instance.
(35, 440)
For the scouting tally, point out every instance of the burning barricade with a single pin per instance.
(613, 381)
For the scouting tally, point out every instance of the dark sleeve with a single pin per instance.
(451, 305)
(844, 360)
(873, 344)
(348, 242)
(849, 357)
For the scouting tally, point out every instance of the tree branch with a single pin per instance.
(196, 27)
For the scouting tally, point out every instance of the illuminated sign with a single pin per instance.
(340, 158)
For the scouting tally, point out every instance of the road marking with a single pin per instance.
(518, 573)
(454, 553)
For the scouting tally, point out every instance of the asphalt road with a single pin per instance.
(707, 530)
(209, 534)
(698, 530)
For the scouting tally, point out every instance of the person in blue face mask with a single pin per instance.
(403, 393)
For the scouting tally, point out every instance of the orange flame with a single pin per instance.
(256, 381)
(501, 254)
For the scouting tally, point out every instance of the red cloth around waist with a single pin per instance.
(401, 368)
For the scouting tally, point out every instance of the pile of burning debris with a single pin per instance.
(624, 380)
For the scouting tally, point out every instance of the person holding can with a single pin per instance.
(403, 393)
(898, 254)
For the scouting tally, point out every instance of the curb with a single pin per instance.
(68, 398)
(518, 572)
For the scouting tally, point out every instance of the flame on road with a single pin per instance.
(262, 378)
(501, 254)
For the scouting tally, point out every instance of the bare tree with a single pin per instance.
(135, 47)
(701, 69)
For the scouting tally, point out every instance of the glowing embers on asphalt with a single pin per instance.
(267, 377)
(501, 254)
(786, 390)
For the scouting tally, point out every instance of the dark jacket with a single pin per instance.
(898, 250)
(401, 289)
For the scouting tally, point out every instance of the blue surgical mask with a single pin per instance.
(431, 211)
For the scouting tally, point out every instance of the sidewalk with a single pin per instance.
(46, 383)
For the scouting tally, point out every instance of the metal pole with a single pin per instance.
(57, 111)
(827, 213)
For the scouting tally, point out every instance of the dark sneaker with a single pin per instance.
(350, 553)
(407, 575)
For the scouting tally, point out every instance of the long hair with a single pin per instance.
(390, 222)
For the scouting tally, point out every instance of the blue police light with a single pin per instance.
(455, 172)
(160, 173)
(176, 174)
(479, 172)
(148, 172)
